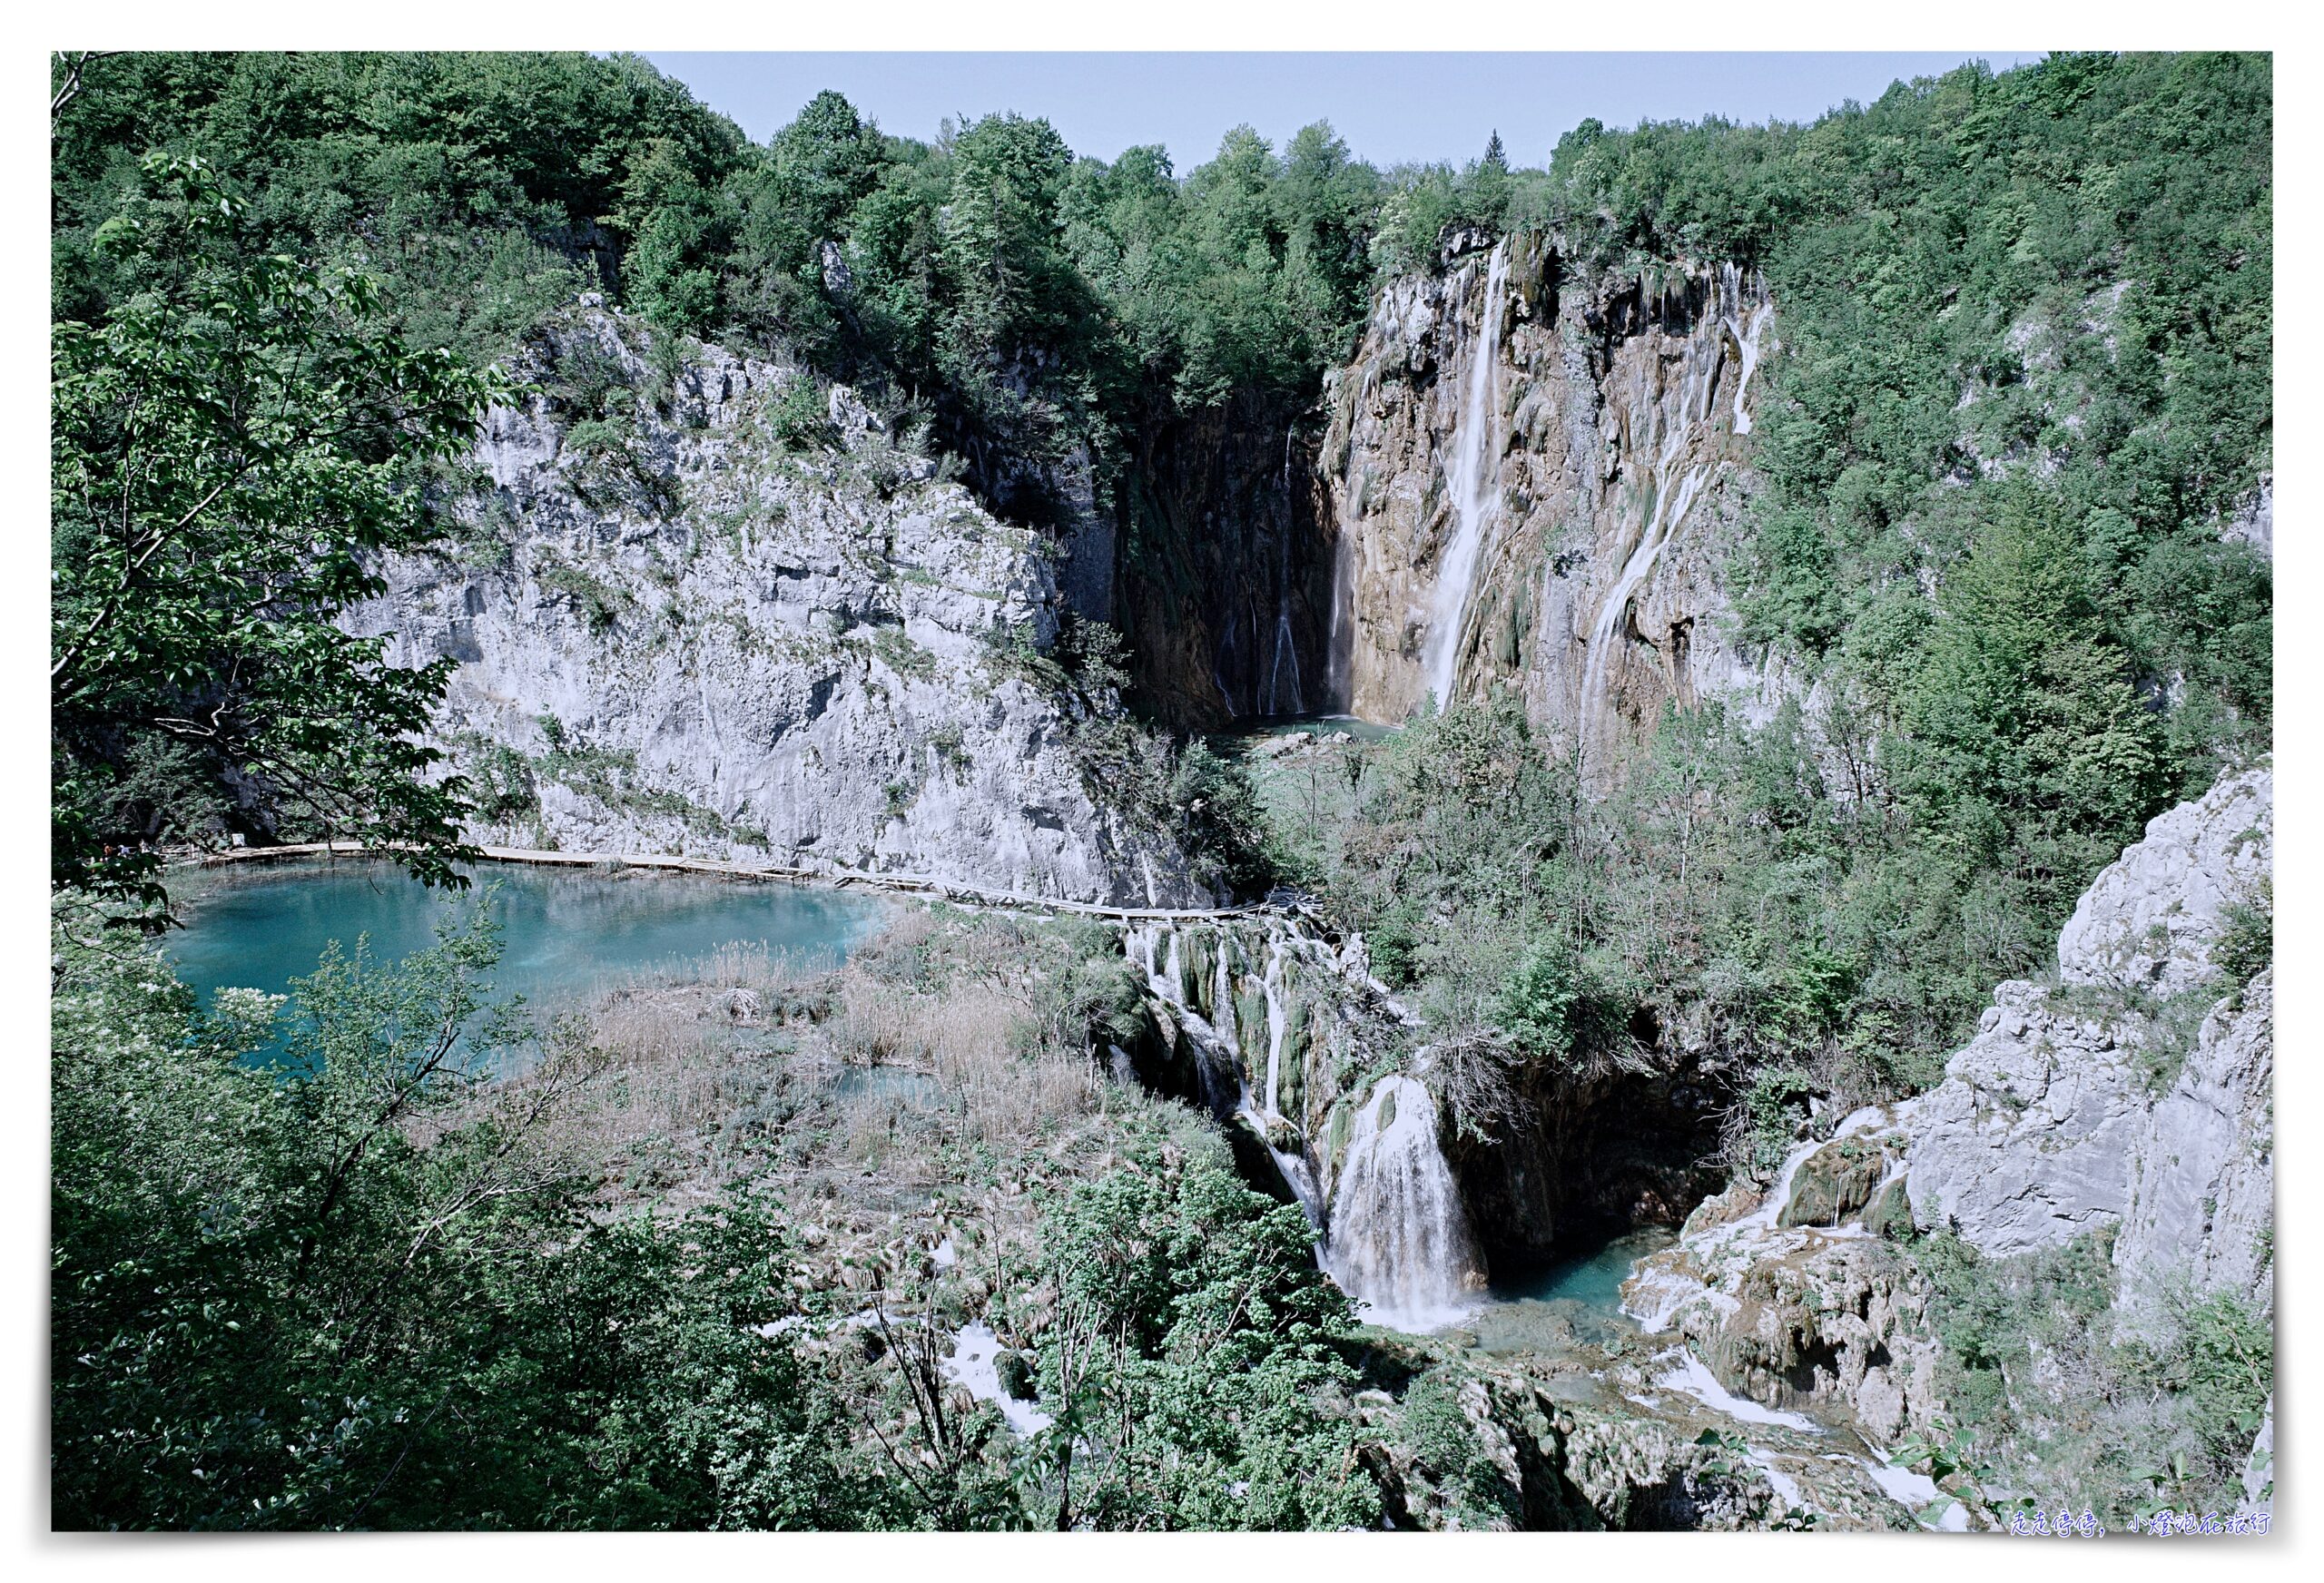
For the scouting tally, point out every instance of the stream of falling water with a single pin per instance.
(1680, 423)
(1473, 480)
(1396, 1236)
(1399, 1241)
(1284, 648)
(1218, 1049)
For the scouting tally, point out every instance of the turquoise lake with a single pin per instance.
(565, 932)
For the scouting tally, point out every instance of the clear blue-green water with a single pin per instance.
(1576, 1299)
(564, 931)
(1593, 1279)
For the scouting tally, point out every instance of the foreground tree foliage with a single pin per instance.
(228, 448)
(1195, 1364)
(351, 1285)
(319, 1265)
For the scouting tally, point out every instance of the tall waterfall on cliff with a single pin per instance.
(1472, 480)
(1400, 1240)
(1685, 460)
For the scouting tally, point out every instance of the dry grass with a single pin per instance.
(748, 1060)
(980, 1045)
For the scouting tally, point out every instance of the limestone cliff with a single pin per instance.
(699, 608)
(2134, 1094)
(1536, 476)
(2137, 1093)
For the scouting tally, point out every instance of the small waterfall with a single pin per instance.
(1745, 336)
(1682, 424)
(1284, 648)
(1400, 1243)
(1605, 635)
(1339, 646)
(1272, 984)
(1472, 477)
(1218, 1045)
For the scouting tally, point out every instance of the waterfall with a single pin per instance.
(1605, 635)
(1747, 342)
(1339, 645)
(1283, 645)
(1472, 477)
(1399, 1241)
(1217, 1047)
(1284, 648)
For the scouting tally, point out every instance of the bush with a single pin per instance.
(357, 1290)
(1194, 1365)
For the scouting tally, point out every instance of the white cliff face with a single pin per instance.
(2066, 1114)
(1537, 480)
(705, 642)
(2063, 1115)
(2202, 1203)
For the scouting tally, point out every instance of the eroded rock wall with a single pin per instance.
(678, 626)
(1610, 430)
(2137, 1093)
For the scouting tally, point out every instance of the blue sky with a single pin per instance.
(1389, 107)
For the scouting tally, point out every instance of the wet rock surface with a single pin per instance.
(1604, 443)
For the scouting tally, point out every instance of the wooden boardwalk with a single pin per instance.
(835, 879)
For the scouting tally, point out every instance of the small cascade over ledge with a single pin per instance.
(1219, 1039)
(1400, 1242)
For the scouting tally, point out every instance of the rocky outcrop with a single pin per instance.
(699, 609)
(1621, 1441)
(2136, 1094)
(2202, 1203)
(1790, 1299)
(1536, 475)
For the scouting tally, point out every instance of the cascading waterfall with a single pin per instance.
(1396, 1236)
(1218, 1047)
(1400, 1240)
(1472, 478)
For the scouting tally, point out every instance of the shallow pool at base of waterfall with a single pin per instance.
(1259, 727)
(1576, 1299)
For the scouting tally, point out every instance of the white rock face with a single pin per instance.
(818, 657)
(2203, 1204)
(2063, 1115)
(2149, 921)
(2051, 1122)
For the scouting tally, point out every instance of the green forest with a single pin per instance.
(2024, 391)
